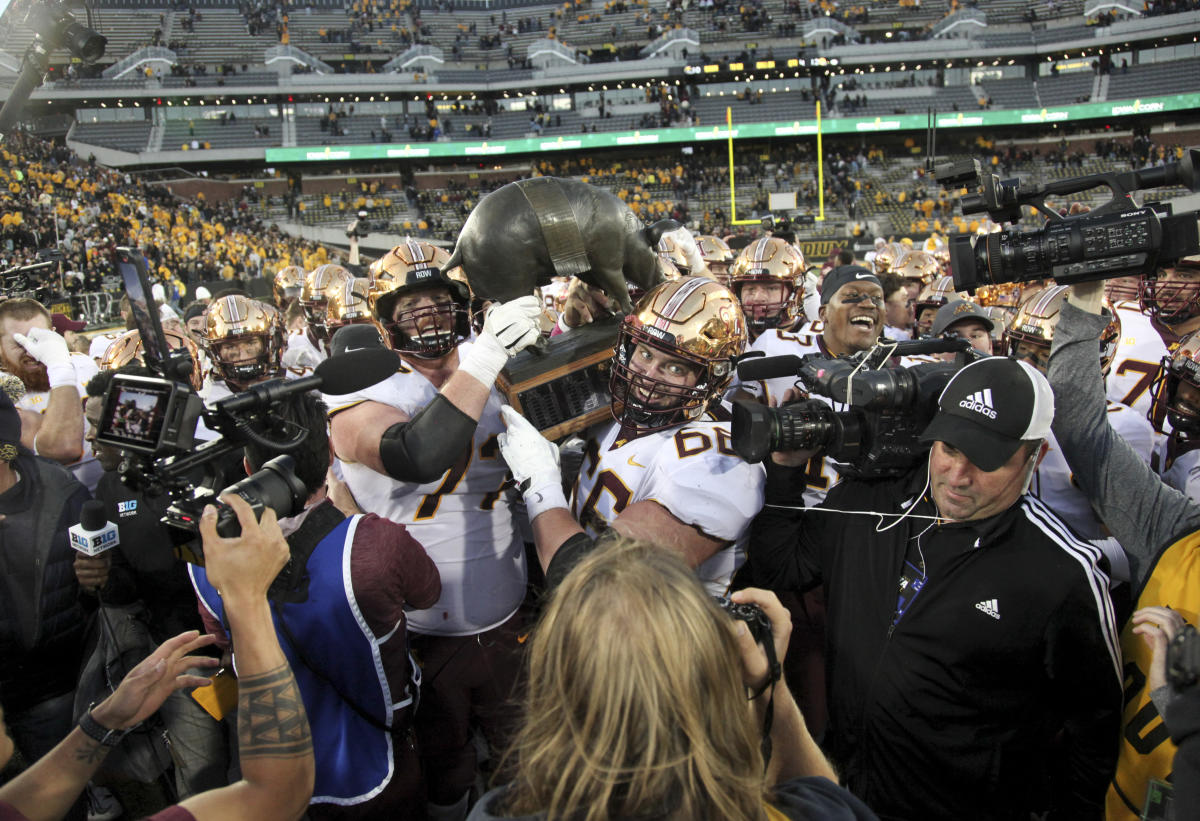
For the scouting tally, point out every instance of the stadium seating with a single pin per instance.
(126, 136)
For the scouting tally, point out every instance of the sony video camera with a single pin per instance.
(153, 420)
(1120, 238)
(887, 407)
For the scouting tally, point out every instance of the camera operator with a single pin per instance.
(945, 700)
(55, 380)
(1157, 526)
(144, 568)
(678, 744)
(339, 609)
(41, 622)
(966, 320)
(274, 745)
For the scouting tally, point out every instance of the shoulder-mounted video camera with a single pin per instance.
(153, 420)
(887, 407)
(1120, 238)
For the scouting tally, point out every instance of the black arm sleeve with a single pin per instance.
(423, 448)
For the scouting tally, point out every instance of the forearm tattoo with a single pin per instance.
(271, 718)
(91, 752)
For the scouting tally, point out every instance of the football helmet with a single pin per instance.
(1035, 320)
(411, 266)
(236, 322)
(1123, 289)
(1003, 295)
(1182, 364)
(918, 265)
(128, 348)
(1175, 300)
(887, 257)
(932, 297)
(773, 261)
(672, 250)
(349, 305)
(718, 256)
(287, 284)
(321, 283)
(693, 318)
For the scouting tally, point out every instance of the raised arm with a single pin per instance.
(1143, 514)
(274, 741)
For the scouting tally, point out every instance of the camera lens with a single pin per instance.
(275, 486)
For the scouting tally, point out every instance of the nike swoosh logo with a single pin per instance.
(635, 464)
(863, 276)
(522, 637)
(352, 350)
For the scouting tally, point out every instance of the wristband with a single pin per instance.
(62, 375)
(547, 495)
(484, 361)
(99, 733)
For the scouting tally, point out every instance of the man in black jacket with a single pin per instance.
(967, 627)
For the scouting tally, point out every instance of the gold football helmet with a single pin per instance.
(287, 284)
(918, 265)
(128, 348)
(415, 265)
(321, 283)
(932, 297)
(671, 250)
(1035, 320)
(245, 339)
(692, 318)
(718, 256)
(771, 260)
(1004, 295)
(349, 305)
(887, 257)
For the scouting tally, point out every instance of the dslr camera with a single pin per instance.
(153, 420)
(887, 408)
(1120, 238)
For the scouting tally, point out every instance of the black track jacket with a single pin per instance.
(953, 712)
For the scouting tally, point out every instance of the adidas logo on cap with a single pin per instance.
(980, 402)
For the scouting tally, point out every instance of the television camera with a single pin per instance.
(886, 407)
(1120, 238)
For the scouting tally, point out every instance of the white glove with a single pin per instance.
(51, 350)
(533, 460)
(508, 329)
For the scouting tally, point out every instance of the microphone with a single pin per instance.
(94, 534)
(357, 369)
(769, 367)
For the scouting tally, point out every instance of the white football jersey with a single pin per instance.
(821, 473)
(301, 353)
(462, 518)
(1137, 361)
(691, 470)
(87, 470)
(1052, 480)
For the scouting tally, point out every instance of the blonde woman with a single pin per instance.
(638, 706)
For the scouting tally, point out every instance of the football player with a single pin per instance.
(851, 320)
(286, 285)
(311, 348)
(1168, 308)
(244, 341)
(718, 256)
(1030, 335)
(1176, 398)
(932, 297)
(420, 449)
(664, 470)
(768, 279)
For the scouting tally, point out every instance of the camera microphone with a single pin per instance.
(768, 367)
(94, 534)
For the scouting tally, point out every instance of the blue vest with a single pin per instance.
(353, 755)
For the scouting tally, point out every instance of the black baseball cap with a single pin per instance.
(843, 275)
(957, 310)
(989, 408)
(351, 338)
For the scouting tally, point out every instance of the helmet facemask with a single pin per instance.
(440, 328)
(1172, 301)
(643, 403)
